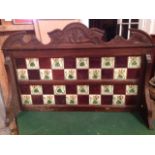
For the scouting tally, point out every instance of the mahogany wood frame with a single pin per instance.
(70, 42)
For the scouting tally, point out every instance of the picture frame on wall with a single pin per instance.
(22, 21)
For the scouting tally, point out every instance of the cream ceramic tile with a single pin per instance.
(48, 99)
(70, 74)
(59, 89)
(57, 63)
(107, 89)
(71, 99)
(120, 73)
(108, 62)
(26, 99)
(119, 100)
(45, 74)
(134, 62)
(94, 74)
(82, 63)
(22, 74)
(131, 89)
(32, 63)
(95, 99)
(83, 89)
(36, 89)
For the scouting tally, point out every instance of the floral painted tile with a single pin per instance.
(57, 63)
(82, 63)
(134, 62)
(59, 89)
(107, 89)
(120, 73)
(70, 74)
(71, 99)
(22, 74)
(36, 90)
(48, 99)
(95, 74)
(94, 99)
(26, 99)
(45, 74)
(108, 62)
(131, 89)
(83, 89)
(119, 100)
(32, 63)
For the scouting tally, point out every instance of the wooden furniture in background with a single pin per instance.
(77, 70)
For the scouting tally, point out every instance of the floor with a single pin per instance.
(82, 123)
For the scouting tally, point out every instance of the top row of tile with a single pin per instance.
(84, 62)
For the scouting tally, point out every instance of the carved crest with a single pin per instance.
(75, 35)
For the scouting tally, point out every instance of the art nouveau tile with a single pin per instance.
(60, 99)
(133, 73)
(48, 99)
(59, 89)
(57, 63)
(119, 100)
(94, 89)
(71, 89)
(83, 89)
(44, 63)
(131, 89)
(47, 89)
(107, 89)
(22, 74)
(82, 63)
(36, 89)
(26, 99)
(121, 61)
(82, 74)
(83, 99)
(120, 73)
(94, 99)
(58, 74)
(106, 99)
(134, 62)
(71, 99)
(69, 62)
(32, 63)
(20, 62)
(107, 62)
(70, 74)
(94, 62)
(95, 74)
(119, 89)
(24, 89)
(45, 74)
(107, 73)
(37, 99)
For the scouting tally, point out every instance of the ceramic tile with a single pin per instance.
(120, 74)
(107, 89)
(32, 63)
(119, 89)
(37, 99)
(24, 89)
(108, 62)
(58, 74)
(95, 74)
(119, 100)
(82, 63)
(20, 63)
(57, 63)
(26, 99)
(48, 99)
(133, 73)
(70, 74)
(60, 99)
(83, 99)
(36, 89)
(106, 99)
(94, 62)
(71, 99)
(71, 89)
(47, 89)
(45, 74)
(69, 62)
(34, 74)
(131, 89)
(94, 89)
(83, 89)
(94, 99)
(22, 74)
(132, 100)
(107, 73)
(82, 74)
(59, 89)
(44, 63)
(121, 61)
(134, 62)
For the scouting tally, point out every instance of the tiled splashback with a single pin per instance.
(82, 68)
(117, 68)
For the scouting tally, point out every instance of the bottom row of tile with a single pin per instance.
(73, 99)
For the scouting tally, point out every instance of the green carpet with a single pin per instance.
(81, 123)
